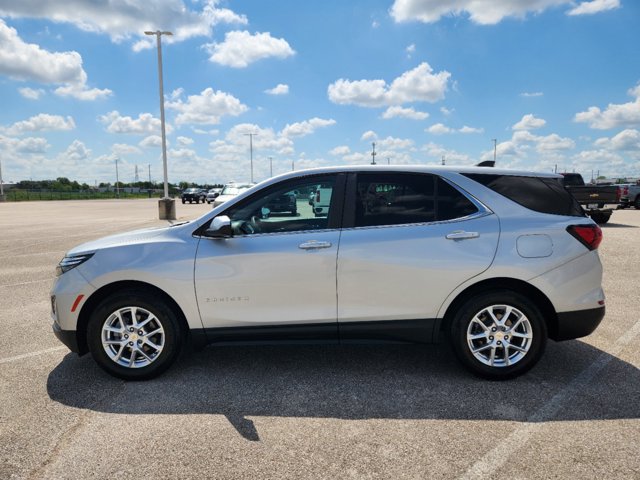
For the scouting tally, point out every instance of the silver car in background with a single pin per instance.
(497, 261)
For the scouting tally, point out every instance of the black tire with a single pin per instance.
(600, 218)
(183, 201)
(464, 323)
(165, 318)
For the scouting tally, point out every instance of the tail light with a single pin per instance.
(588, 235)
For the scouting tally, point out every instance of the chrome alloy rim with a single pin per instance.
(499, 335)
(132, 337)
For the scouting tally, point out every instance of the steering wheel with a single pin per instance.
(250, 227)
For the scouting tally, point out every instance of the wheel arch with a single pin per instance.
(103, 292)
(511, 284)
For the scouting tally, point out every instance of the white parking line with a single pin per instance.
(499, 455)
(32, 354)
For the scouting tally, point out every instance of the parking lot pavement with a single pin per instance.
(304, 412)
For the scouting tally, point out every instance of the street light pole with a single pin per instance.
(270, 166)
(169, 206)
(251, 135)
(495, 148)
(117, 180)
(1, 183)
(373, 153)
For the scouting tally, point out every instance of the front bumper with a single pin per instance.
(68, 337)
(576, 324)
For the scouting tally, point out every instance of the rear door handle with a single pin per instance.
(313, 244)
(462, 235)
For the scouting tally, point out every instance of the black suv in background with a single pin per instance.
(194, 195)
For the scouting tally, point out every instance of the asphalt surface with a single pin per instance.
(304, 412)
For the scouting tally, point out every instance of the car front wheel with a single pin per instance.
(134, 336)
(498, 335)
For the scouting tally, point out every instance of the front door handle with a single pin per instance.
(313, 244)
(462, 235)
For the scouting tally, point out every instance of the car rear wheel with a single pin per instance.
(134, 336)
(498, 335)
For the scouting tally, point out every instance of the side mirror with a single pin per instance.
(220, 228)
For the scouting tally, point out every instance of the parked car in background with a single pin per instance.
(403, 254)
(193, 195)
(287, 202)
(320, 200)
(212, 194)
(593, 198)
(630, 195)
(229, 191)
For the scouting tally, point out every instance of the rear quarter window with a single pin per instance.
(540, 194)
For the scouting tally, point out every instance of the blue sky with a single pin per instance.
(556, 82)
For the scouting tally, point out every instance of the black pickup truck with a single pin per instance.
(593, 198)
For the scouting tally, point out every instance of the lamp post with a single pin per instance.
(1, 183)
(270, 166)
(166, 205)
(117, 180)
(251, 135)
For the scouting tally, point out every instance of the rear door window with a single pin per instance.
(397, 198)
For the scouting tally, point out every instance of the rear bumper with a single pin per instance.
(579, 323)
(68, 337)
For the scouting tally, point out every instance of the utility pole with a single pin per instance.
(149, 175)
(166, 206)
(373, 153)
(117, 180)
(293, 165)
(388, 161)
(1, 183)
(251, 135)
(270, 166)
(495, 148)
(136, 178)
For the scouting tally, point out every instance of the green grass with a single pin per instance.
(15, 195)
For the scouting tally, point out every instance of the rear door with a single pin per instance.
(413, 238)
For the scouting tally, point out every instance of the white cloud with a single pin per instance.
(31, 93)
(531, 94)
(419, 84)
(207, 108)
(240, 49)
(401, 112)
(184, 141)
(369, 135)
(467, 129)
(151, 141)
(28, 145)
(410, 50)
(452, 157)
(626, 140)
(280, 89)
(123, 20)
(340, 150)
(76, 152)
(42, 122)
(446, 111)
(27, 61)
(393, 143)
(439, 129)
(487, 12)
(145, 124)
(306, 127)
(615, 115)
(125, 149)
(529, 122)
(594, 6)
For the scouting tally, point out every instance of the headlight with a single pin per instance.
(71, 261)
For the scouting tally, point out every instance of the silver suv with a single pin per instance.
(496, 260)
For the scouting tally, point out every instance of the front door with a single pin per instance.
(279, 268)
